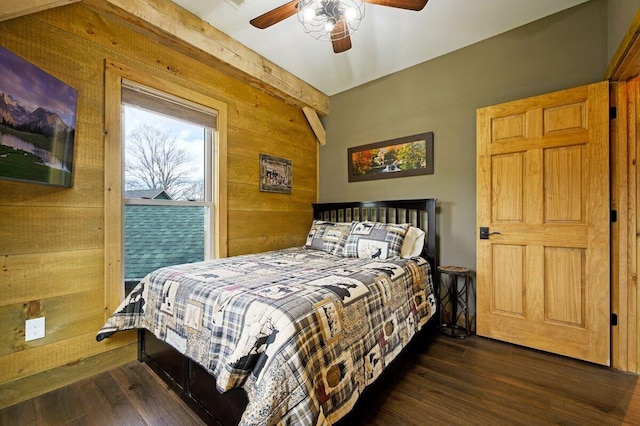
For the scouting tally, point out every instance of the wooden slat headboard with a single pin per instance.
(420, 213)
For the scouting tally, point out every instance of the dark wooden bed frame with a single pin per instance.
(198, 388)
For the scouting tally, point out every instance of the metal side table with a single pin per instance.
(454, 301)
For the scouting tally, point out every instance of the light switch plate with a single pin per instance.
(34, 329)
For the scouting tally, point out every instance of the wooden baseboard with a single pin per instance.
(22, 389)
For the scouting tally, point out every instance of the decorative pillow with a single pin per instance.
(375, 240)
(413, 243)
(328, 236)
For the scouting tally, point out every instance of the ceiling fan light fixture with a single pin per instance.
(309, 13)
(329, 25)
(319, 18)
(350, 14)
(330, 20)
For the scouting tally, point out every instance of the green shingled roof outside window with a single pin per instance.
(151, 237)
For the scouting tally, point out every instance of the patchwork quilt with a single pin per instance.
(301, 330)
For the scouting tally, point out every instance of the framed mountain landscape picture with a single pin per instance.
(37, 123)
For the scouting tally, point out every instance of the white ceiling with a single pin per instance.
(387, 41)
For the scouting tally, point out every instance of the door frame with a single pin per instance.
(625, 302)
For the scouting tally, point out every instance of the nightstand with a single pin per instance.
(454, 300)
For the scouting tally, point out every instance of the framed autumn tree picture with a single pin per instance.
(407, 156)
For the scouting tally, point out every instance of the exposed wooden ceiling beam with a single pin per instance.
(170, 24)
(316, 125)
(13, 8)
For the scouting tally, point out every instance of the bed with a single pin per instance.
(291, 336)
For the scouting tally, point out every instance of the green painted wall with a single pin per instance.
(564, 50)
(620, 13)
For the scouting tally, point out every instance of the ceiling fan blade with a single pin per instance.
(276, 15)
(400, 4)
(340, 37)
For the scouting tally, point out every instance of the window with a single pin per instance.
(137, 206)
(168, 183)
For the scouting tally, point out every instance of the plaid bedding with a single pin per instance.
(301, 330)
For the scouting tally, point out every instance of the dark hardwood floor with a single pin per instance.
(436, 381)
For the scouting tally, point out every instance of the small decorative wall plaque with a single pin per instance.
(275, 174)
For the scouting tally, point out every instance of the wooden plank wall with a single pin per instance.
(52, 240)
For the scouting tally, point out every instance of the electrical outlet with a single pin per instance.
(34, 329)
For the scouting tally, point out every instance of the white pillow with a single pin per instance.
(413, 243)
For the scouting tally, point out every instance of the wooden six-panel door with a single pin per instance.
(543, 191)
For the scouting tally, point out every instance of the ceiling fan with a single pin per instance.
(330, 19)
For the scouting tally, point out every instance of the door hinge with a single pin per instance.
(613, 113)
(614, 319)
(614, 216)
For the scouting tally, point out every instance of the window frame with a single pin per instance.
(159, 103)
(114, 172)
